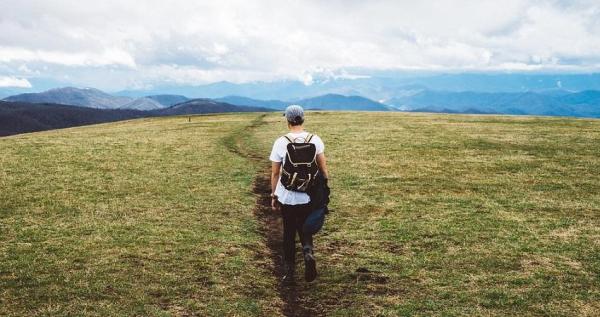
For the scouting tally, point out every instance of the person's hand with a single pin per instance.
(275, 206)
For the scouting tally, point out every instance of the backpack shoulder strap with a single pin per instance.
(308, 138)
(289, 140)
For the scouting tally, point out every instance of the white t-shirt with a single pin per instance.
(288, 197)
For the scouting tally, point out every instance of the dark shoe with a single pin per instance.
(310, 267)
(288, 273)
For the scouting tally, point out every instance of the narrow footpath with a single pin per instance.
(269, 221)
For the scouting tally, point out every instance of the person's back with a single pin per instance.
(291, 197)
(295, 205)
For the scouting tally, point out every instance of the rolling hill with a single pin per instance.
(199, 106)
(144, 103)
(168, 100)
(21, 117)
(94, 98)
(84, 97)
(245, 101)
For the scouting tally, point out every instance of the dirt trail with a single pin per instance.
(270, 223)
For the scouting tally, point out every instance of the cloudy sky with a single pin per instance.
(127, 44)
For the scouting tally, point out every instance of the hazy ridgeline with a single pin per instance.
(433, 215)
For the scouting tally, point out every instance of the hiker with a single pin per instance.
(291, 188)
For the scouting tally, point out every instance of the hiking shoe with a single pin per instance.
(310, 267)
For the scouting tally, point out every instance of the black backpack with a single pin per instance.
(300, 168)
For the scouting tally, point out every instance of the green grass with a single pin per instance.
(433, 215)
(146, 217)
(458, 215)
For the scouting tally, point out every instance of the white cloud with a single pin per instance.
(144, 42)
(104, 58)
(6, 81)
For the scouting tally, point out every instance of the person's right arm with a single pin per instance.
(275, 170)
(276, 161)
(322, 162)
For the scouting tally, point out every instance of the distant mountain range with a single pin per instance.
(94, 98)
(552, 103)
(377, 86)
(245, 101)
(324, 102)
(339, 102)
(382, 86)
(36, 111)
(555, 102)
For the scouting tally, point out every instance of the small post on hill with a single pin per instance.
(189, 119)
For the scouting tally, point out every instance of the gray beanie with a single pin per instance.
(294, 114)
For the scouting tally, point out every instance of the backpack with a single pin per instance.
(300, 169)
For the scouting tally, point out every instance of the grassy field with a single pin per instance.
(147, 217)
(433, 215)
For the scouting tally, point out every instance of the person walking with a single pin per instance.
(293, 174)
